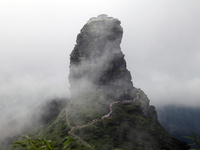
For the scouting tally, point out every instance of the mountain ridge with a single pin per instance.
(180, 121)
(99, 77)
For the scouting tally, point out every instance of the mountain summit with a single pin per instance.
(97, 62)
(106, 111)
(102, 92)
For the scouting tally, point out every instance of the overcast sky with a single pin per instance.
(161, 43)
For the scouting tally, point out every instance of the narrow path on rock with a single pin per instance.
(95, 120)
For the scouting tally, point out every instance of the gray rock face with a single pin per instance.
(98, 77)
(97, 62)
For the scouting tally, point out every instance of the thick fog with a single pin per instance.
(161, 42)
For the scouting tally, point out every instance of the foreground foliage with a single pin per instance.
(195, 139)
(41, 143)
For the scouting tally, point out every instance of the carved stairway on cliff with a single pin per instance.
(95, 120)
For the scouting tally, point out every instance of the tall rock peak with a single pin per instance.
(106, 111)
(97, 62)
(101, 86)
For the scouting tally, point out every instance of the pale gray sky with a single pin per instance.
(161, 44)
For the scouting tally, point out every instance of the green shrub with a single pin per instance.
(40, 143)
(195, 139)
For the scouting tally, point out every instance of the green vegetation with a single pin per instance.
(40, 143)
(128, 129)
(55, 130)
(195, 139)
(86, 108)
(39, 116)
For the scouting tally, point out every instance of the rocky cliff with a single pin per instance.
(97, 62)
(98, 77)
(106, 111)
